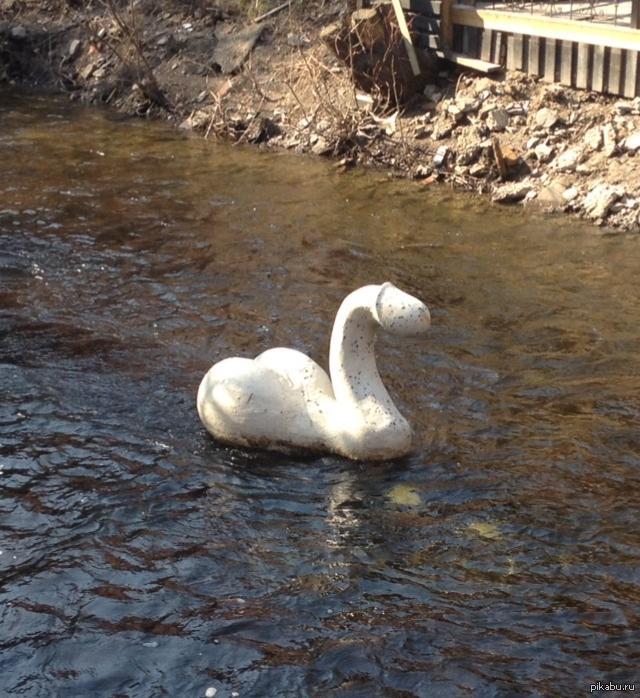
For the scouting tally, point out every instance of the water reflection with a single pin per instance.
(141, 558)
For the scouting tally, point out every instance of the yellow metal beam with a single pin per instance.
(548, 27)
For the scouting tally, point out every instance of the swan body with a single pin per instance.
(283, 400)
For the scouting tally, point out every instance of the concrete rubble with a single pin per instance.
(568, 150)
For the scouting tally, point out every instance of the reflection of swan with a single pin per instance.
(283, 400)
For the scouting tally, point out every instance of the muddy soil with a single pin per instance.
(214, 70)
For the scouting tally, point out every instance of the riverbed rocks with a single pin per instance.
(568, 151)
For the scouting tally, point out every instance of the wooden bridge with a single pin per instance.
(588, 45)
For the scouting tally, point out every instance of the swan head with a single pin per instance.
(399, 313)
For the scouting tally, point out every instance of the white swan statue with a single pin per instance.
(284, 401)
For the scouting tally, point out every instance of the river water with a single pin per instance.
(140, 558)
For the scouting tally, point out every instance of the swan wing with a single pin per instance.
(301, 372)
(247, 402)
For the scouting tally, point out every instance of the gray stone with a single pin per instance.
(18, 32)
(610, 140)
(442, 129)
(480, 169)
(511, 193)
(546, 118)
(623, 107)
(484, 85)
(517, 109)
(422, 132)
(600, 199)
(497, 119)
(429, 91)
(550, 195)
(468, 104)
(441, 156)
(469, 155)
(321, 146)
(297, 40)
(232, 50)
(567, 161)
(593, 138)
(74, 48)
(632, 142)
(543, 152)
(456, 112)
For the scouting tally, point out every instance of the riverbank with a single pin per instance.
(215, 71)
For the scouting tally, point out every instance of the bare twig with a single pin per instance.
(274, 11)
(148, 83)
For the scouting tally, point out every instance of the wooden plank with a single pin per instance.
(426, 25)
(458, 36)
(631, 74)
(566, 62)
(496, 53)
(428, 41)
(466, 39)
(598, 69)
(549, 73)
(635, 14)
(406, 37)
(485, 46)
(533, 63)
(582, 67)
(471, 63)
(511, 52)
(515, 48)
(446, 23)
(424, 7)
(547, 27)
(615, 72)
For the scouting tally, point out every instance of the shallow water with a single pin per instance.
(140, 558)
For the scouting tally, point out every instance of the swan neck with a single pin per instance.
(352, 362)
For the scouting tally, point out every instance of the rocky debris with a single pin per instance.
(441, 156)
(544, 152)
(523, 140)
(443, 128)
(511, 193)
(610, 138)
(600, 198)
(593, 138)
(551, 196)
(497, 119)
(570, 194)
(546, 118)
(632, 142)
(568, 160)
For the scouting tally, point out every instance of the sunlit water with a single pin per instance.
(140, 558)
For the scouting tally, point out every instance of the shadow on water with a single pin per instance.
(141, 558)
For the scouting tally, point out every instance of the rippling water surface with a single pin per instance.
(140, 558)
